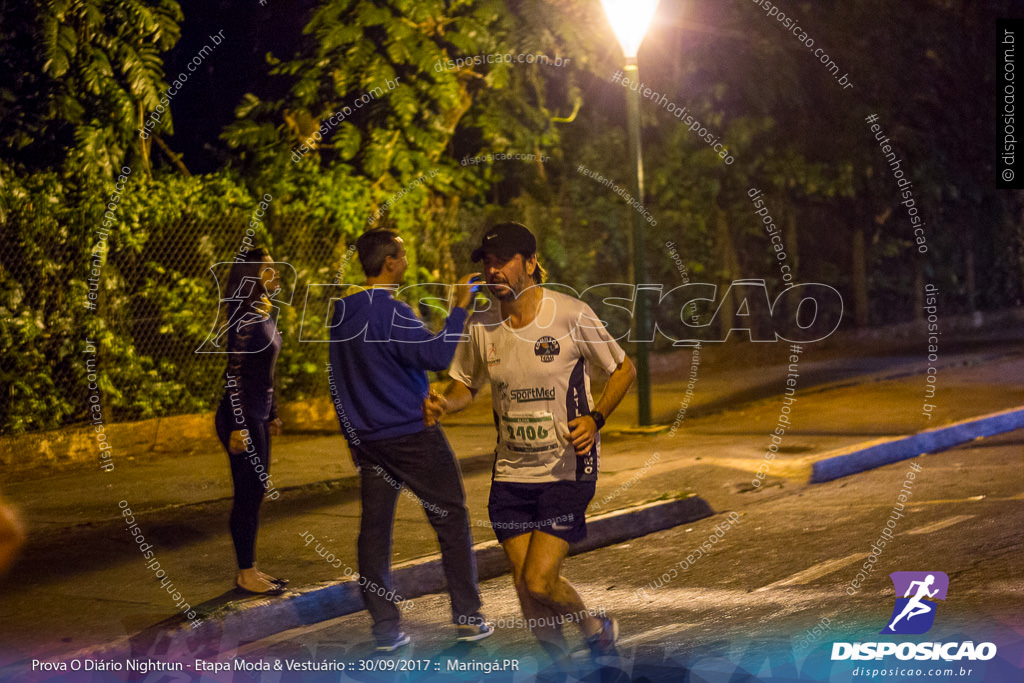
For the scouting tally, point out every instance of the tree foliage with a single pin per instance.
(371, 118)
(82, 74)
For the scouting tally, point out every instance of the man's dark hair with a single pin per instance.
(374, 246)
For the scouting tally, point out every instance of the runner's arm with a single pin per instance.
(583, 429)
(618, 384)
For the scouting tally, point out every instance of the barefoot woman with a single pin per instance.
(247, 413)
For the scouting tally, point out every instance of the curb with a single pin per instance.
(885, 451)
(227, 624)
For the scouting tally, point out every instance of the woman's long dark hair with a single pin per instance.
(244, 284)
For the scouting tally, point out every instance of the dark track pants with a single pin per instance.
(423, 462)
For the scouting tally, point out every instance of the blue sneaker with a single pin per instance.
(603, 644)
(393, 643)
(470, 633)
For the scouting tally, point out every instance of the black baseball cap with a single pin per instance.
(506, 239)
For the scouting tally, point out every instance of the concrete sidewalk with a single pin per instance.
(82, 583)
(159, 482)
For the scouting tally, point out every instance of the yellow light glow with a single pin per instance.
(630, 20)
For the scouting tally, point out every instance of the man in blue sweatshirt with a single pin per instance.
(379, 354)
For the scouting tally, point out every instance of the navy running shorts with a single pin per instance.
(557, 507)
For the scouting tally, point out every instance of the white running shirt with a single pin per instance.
(539, 382)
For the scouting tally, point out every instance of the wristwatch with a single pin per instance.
(598, 418)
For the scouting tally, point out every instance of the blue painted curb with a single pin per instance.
(860, 458)
(227, 624)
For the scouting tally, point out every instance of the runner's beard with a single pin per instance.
(503, 291)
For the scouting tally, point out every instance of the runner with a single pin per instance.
(536, 349)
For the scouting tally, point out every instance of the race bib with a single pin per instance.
(531, 436)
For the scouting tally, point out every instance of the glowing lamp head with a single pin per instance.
(630, 20)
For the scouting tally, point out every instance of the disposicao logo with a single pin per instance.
(913, 614)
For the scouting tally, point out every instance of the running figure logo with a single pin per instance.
(282, 292)
(914, 613)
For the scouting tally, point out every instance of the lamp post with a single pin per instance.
(630, 20)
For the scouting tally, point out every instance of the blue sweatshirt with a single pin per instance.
(379, 354)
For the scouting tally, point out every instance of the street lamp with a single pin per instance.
(630, 20)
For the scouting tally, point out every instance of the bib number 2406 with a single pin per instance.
(527, 433)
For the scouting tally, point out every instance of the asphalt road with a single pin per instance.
(81, 581)
(752, 603)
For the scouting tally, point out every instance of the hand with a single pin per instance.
(235, 442)
(434, 407)
(464, 294)
(263, 306)
(582, 434)
(275, 426)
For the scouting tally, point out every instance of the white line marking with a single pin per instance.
(941, 524)
(814, 572)
(659, 632)
(653, 635)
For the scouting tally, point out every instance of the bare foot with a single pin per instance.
(271, 579)
(250, 580)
